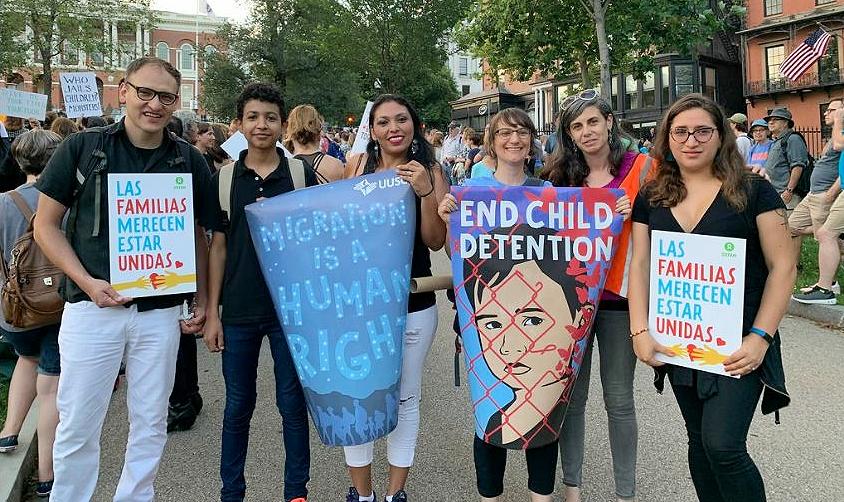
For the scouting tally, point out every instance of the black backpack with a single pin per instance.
(804, 184)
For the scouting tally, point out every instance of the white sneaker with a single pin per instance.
(836, 288)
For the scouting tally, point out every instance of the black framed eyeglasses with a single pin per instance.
(147, 94)
(587, 95)
(701, 134)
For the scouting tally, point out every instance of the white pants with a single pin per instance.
(401, 443)
(92, 343)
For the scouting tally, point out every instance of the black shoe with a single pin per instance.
(817, 295)
(354, 496)
(196, 401)
(43, 488)
(9, 444)
(399, 496)
(180, 417)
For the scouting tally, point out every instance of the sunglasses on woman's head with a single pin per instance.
(587, 95)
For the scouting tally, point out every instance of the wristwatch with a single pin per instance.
(764, 334)
(789, 190)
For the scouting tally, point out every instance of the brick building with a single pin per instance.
(175, 38)
(773, 29)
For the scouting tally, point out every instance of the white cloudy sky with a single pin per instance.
(237, 10)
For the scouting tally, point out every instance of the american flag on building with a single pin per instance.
(805, 55)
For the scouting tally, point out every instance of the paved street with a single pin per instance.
(801, 459)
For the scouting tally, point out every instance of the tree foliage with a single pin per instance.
(336, 54)
(558, 38)
(55, 26)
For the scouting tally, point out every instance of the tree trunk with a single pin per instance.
(585, 77)
(599, 14)
(47, 81)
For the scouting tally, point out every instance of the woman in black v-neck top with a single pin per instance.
(703, 188)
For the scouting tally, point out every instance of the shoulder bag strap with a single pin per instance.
(21, 204)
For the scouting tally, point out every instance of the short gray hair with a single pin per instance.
(32, 150)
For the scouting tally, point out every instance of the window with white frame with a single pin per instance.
(187, 96)
(162, 51)
(463, 67)
(186, 58)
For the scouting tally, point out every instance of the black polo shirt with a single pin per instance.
(245, 297)
(59, 182)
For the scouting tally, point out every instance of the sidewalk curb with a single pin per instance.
(15, 467)
(831, 315)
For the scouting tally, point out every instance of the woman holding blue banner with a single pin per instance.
(397, 142)
(704, 188)
(592, 152)
(509, 143)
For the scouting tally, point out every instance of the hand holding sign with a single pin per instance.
(103, 294)
(748, 357)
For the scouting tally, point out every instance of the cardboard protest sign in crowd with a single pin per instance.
(22, 104)
(529, 265)
(336, 259)
(81, 94)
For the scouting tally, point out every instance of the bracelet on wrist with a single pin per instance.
(636, 333)
(764, 334)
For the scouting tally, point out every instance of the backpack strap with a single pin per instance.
(224, 189)
(97, 164)
(297, 172)
(21, 204)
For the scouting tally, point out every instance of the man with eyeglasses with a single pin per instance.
(787, 158)
(100, 326)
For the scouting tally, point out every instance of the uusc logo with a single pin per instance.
(366, 187)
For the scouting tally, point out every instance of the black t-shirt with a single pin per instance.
(245, 297)
(724, 221)
(721, 220)
(59, 182)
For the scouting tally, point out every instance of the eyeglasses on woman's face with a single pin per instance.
(147, 94)
(507, 133)
(701, 134)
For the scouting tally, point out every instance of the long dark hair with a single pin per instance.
(668, 188)
(567, 166)
(420, 150)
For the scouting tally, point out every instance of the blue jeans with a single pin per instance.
(240, 369)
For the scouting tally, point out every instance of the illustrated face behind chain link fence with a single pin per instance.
(528, 317)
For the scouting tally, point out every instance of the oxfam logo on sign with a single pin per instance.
(729, 250)
(180, 183)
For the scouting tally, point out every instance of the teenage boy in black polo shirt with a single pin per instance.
(236, 283)
(100, 325)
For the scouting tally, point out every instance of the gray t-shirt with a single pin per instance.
(744, 144)
(12, 226)
(826, 170)
(780, 162)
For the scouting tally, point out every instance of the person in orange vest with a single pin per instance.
(592, 151)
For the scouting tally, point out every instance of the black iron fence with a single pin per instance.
(809, 80)
(815, 139)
